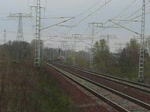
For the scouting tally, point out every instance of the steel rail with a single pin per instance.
(106, 100)
(134, 100)
(117, 80)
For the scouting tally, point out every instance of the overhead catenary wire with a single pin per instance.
(89, 8)
(93, 12)
(106, 2)
(68, 17)
(129, 17)
(124, 10)
(134, 13)
(85, 12)
(116, 16)
(83, 41)
(137, 16)
(56, 24)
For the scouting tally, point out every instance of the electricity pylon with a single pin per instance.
(19, 37)
(20, 16)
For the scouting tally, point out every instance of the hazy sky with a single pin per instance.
(84, 11)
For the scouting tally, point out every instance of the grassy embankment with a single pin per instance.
(26, 89)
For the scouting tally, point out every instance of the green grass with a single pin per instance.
(26, 89)
(49, 97)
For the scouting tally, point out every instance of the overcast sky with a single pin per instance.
(84, 11)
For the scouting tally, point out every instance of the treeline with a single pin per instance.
(124, 63)
(24, 88)
(16, 51)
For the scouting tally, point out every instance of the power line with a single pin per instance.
(121, 26)
(133, 14)
(89, 8)
(137, 16)
(106, 22)
(89, 15)
(57, 23)
(93, 12)
(119, 15)
(79, 15)
(125, 9)
(70, 18)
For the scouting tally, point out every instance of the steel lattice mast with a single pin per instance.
(142, 46)
(37, 35)
(94, 24)
(75, 36)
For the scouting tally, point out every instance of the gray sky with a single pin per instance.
(81, 10)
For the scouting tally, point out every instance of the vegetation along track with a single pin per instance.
(117, 100)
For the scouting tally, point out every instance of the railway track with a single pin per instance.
(132, 84)
(139, 86)
(118, 100)
(139, 91)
